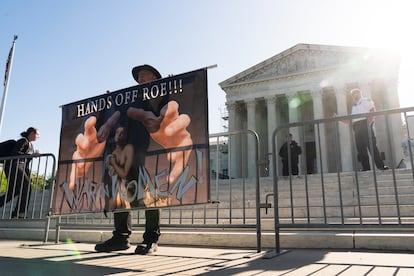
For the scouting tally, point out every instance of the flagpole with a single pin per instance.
(6, 80)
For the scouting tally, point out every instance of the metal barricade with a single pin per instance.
(26, 185)
(334, 197)
(235, 201)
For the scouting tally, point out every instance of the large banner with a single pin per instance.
(144, 146)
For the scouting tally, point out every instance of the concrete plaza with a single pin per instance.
(36, 258)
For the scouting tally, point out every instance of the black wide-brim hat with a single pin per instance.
(136, 69)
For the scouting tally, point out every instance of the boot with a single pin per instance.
(116, 243)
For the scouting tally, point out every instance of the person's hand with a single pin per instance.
(342, 121)
(112, 159)
(371, 119)
(105, 129)
(89, 144)
(170, 131)
(108, 165)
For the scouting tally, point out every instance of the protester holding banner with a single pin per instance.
(18, 172)
(162, 122)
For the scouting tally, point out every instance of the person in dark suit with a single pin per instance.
(293, 154)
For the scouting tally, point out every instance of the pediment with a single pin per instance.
(299, 59)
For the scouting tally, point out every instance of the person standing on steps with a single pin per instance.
(295, 151)
(362, 127)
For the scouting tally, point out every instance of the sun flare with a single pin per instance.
(387, 25)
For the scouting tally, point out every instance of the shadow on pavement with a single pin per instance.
(15, 266)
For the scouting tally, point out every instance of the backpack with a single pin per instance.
(6, 147)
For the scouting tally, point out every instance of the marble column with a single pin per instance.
(271, 126)
(395, 124)
(392, 91)
(294, 116)
(345, 133)
(320, 137)
(366, 90)
(251, 125)
(231, 108)
(234, 141)
(293, 113)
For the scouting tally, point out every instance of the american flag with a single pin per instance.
(6, 74)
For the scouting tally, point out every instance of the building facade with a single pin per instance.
(308, 82)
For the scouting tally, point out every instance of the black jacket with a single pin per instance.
(295, 150)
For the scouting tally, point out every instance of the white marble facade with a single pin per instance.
(309, 82)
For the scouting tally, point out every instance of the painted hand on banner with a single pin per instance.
(170, 131)
(90, 144)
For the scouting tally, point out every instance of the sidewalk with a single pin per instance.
(36, 258)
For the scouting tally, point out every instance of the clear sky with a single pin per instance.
(70, 50)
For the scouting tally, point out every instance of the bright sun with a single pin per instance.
(388, 24)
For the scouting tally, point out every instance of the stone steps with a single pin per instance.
(240, 238)
(217, 225)
(367, 201)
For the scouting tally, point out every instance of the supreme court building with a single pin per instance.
(309, 82)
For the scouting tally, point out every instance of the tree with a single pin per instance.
(39, 182)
